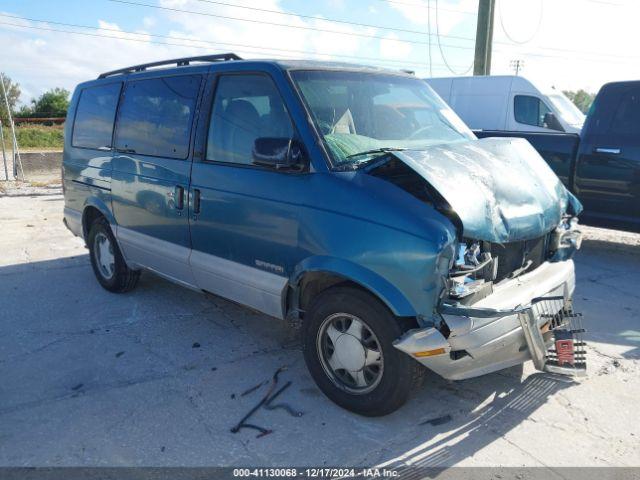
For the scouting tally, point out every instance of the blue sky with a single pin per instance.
(128, 16)
(571, 44)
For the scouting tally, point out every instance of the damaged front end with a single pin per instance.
(507, 296)
(480, 264)
(504, 304)
(499, 325)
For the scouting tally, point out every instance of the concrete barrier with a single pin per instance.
(41, 165)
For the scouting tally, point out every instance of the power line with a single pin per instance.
(313, 17)
(268, 49)
(444, 58)
(603, 2)
(170, 37)
(115, 30)
(140, 40)
(274, 49)
(504, 29)
(416, 42)
(299, 27)
(422, 5)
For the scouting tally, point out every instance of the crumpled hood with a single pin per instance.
(501, 188)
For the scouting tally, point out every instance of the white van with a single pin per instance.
(508, 102)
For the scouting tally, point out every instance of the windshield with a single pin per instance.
(358, 113)
(568, 111)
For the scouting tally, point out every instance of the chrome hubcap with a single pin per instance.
(104, 256)
(350, 353)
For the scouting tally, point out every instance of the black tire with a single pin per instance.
(122, 278)
(399, 373)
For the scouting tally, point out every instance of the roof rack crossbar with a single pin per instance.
(180, 62)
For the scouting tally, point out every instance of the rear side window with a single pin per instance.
(530, 110)
(156, 115)
(615, 112)
(96, 110)
(626, 120)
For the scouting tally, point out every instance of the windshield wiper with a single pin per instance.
(377, 150)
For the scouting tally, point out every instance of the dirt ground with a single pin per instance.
(154, 377)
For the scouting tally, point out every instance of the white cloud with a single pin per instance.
(301, 36)
(41, 59)
(450, 14)
(578, 45)
(393, 49)
(149, 22)
(416, 11)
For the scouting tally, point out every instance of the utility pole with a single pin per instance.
(484, 37)
(517, 65)
(4, 153)
(15, 150)
(429, 36)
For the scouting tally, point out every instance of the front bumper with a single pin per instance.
(499, 331)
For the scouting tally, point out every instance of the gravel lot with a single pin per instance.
(155, 377)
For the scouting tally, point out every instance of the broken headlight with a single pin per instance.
(471, 270)
(565, 239)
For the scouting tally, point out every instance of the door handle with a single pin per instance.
(610, 151)
(179, 197)
(196, 200)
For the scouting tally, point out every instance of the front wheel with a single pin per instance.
(348, 339)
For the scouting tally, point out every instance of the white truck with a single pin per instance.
(508, 102)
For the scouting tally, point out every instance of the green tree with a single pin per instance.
(13, 95)
(24, 111)
(53, 103)
(581, 99)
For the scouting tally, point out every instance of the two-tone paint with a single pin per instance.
(259, 232)
(265, 238)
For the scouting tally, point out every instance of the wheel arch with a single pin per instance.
(317, 274)
(94, 208)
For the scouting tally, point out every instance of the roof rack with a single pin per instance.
(180, 62)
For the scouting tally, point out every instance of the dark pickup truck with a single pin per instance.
(601, 166)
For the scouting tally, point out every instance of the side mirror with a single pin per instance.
(551, 121)
(278, 153)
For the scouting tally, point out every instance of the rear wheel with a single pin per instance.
(108, 264)
(348, 339)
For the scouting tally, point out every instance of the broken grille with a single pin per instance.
(558, 346)
(568, 348)
(515, 255)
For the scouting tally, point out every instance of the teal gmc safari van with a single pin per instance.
(347, 198)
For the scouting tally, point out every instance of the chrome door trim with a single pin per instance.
(610, 151)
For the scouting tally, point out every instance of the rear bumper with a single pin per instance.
(499, 331)
(73, 221)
